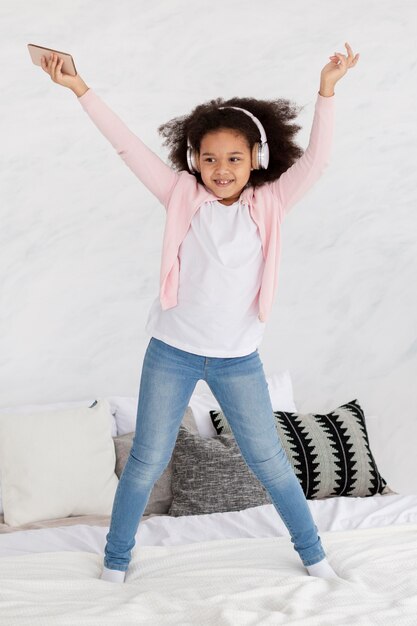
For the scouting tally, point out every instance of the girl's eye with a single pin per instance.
(210, 158)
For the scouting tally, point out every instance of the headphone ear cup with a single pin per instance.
(264, 156)
(255, 156)
(195, 161)
(192, 160)
(260, 156)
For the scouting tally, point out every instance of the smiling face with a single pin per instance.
(225, 156)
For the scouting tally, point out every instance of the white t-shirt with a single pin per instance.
(221, 264)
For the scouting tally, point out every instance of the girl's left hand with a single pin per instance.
(339, 65)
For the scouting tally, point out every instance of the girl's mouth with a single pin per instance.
(223, 183)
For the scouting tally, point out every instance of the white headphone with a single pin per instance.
(260, 152)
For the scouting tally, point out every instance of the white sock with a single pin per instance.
(322, 569)
(113, 575)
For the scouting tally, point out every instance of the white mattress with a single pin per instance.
(228, 582)
(330, 514)
(223, 569)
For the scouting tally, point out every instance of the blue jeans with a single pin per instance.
(169, 376)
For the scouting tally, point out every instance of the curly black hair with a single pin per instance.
(274, 116)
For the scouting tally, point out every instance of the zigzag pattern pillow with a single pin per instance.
(330, 453)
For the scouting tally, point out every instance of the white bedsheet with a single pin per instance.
(229, 582)
(330, 514)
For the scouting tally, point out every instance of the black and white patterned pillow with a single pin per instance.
(330, 453)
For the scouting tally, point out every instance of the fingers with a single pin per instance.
(349, 60)
(349, 49)
(45, 64)
(53, 66)
(58, 69)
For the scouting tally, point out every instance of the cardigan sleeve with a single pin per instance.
(291, 186)
(151, 170)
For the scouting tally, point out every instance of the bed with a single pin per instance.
(234, 567)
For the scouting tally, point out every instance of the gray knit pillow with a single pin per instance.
(330, 454)
(209, 475)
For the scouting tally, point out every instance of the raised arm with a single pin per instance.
(300, 177)
(151, 170)
(302, 174)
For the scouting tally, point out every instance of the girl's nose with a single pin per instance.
(222, 167)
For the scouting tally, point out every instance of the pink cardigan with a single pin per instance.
(182, 195)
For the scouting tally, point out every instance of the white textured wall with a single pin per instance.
(81, 237)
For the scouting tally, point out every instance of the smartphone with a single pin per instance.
(36, 52)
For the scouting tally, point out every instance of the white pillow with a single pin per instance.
(40, 408)
(57, 463)
(281, 392)
(201, 402)
(124, 409)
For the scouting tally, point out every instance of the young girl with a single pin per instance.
(236, 174)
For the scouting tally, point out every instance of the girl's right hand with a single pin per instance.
(52, 66)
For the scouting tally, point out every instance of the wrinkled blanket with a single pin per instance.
(239, 582)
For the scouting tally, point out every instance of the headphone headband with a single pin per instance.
(255, 119)
(260, 149)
